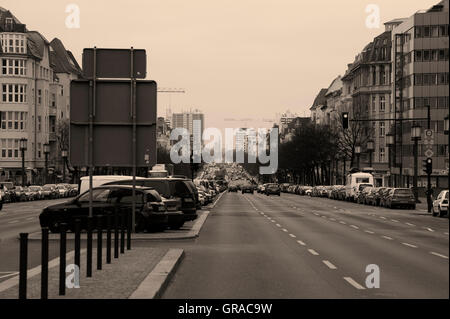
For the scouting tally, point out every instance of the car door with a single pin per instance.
(100, 203)
(122, 201)
(437, 201)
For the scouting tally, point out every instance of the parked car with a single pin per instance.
(151, 213)
(440, 204)
(50, 191)
(400, 197)
(383, 195)
(377, 196)
(232, 188)
(360, 195)
(272, 189)
(37, 190)
(19, 194)
(169, 188)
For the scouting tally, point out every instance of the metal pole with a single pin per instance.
(93, 83)
(23, 167)
(77, 242)
(64, 169)
(46, 168)
(416, 193)
(99, 242)
(429, 174)
(108, 239)
(122, 233)
(23, 266)
(133, 116)
(89, 248)
(62, 260)
(44, 262)
(116, 234)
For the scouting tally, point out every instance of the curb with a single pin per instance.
(155, 283)
(193, 233)
(216, 201)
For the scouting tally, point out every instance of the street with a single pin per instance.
(254, 246)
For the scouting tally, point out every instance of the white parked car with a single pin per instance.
(440, 204)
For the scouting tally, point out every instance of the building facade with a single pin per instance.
(34, 96)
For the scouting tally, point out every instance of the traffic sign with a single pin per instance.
(429, 134)
(429, 153)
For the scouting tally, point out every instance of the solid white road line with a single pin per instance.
(313, 252)
(409, 245)
(353, 283)
(9, 275)
(301, 243)
(387, 237)
(439, 255)
(292, 235)
(329, 265)
(13, 222)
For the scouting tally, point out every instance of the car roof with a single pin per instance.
(142, 188)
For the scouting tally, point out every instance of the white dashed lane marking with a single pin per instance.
(285, 230)
(313, 252)
(387, 237)
(439, 255)
(353, 283)
(409, 224)
(301, 243)
(409, 245)
(329, 265)
(353, 226)
(278, 225)
(369, 232)
(292, 235)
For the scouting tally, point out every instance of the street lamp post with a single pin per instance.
(23, 148)
(46, 152)
(64, 157)
(390, 144)
(415, 136)
(357, 152)
(370, 148)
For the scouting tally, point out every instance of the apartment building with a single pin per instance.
(35, 94)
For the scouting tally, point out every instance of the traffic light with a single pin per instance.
(345, 120)
(428, 165)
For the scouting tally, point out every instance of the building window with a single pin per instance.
(382, 154)
(14, 67)
(382, 103)
(39, 150)
(14, 93)
(13, 42)
(9, 148)
(374, 103)
(39, 123)
(53, 100)
(382, 76)
(39, 96)
(382, 129)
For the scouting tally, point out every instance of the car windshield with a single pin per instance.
(47, 188)
(362, 186)
(35, 188)
(162, 187)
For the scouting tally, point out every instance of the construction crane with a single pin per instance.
(170, 91)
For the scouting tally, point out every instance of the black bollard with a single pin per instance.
(23, 266)
(44, 262)
(122, 233)
(89, 248)
(62, 260)
(99, 242)
(116, 234)
(108, 239)
(129, 221)
(77, 242)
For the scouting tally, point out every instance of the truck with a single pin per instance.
(354, 181)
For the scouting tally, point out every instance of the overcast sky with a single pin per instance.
(236, 59)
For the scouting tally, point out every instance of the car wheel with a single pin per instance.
(441, 213)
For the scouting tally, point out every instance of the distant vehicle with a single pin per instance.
(232, 188)
(440, 204)
(247, 189)
(400, 197)
(353, 182)
(151, 212)
(272, 189)
(38, 191)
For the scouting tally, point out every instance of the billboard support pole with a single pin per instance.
(91, 129)
(133, 116)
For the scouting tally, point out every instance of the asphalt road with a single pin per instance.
(254, 246)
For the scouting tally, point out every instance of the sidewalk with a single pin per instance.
(118, 280)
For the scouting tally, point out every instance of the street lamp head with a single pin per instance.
(446, 124)
(23, 144)
(46, 148)
(64, 153)
(390, 139)
(370, 145)
(416, 131)
(357, 149)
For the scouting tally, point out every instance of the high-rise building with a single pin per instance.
(186, 120)
(35, 100)
(420, 68)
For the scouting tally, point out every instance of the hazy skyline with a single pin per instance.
(235, 59)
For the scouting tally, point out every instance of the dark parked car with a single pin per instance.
(400, 197)
(247, 189)
(272, 189)
(170, 188)
(151, 212)
(232, 188)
